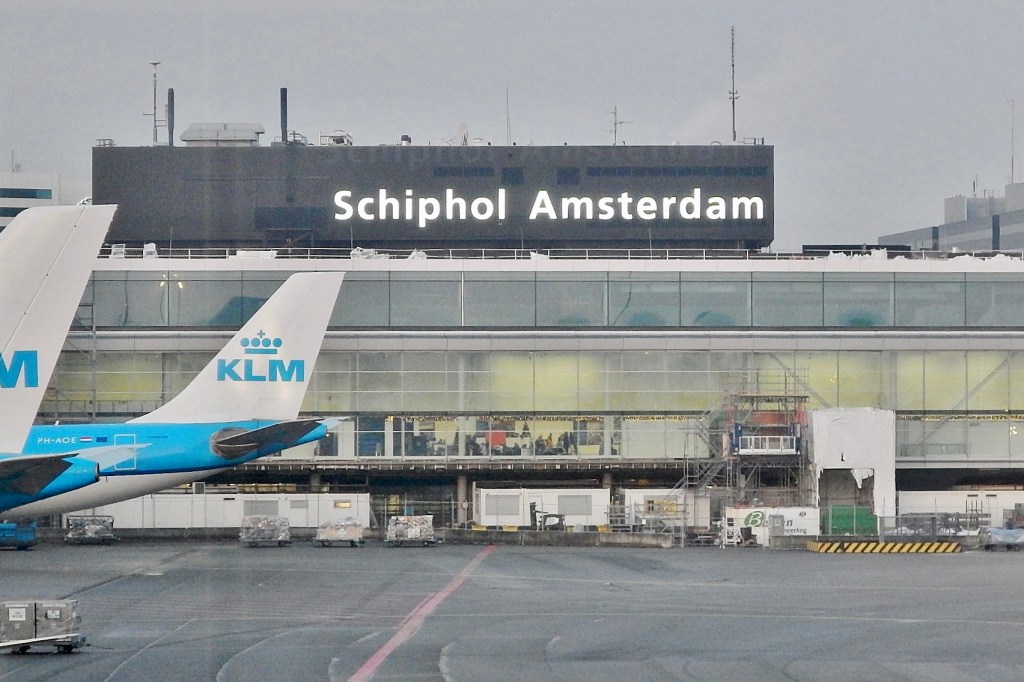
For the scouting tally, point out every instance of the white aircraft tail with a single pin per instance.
(46, 257)
(263, 371)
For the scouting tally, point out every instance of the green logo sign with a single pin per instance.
(754, 518)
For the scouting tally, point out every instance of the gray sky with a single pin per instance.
(877, 110)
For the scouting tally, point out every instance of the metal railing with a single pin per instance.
(767, 445)
(163, 251)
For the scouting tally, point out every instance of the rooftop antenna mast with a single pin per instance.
(157, 122)
(733, 94)
(1013, 178)
(616, 123)
(508, 122)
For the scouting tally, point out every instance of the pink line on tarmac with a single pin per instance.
(412, 622)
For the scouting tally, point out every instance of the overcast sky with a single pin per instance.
(877, 110)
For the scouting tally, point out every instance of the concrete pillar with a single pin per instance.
(606, 480)
(314, 482)
(461, 499)
(606, 440)
(389, 437)
(463, 426)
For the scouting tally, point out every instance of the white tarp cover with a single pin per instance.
(1001, 536)
(863, 441)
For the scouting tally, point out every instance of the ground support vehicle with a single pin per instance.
(21, 535)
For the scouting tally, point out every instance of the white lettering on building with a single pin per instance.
(424, 210)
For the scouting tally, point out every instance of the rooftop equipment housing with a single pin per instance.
(223, 135)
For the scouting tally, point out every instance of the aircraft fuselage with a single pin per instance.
(135, 459)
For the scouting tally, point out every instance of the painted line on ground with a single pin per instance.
(416, 617)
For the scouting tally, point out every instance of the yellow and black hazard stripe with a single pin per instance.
(876, 547)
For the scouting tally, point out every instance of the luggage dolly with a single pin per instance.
(65, 644)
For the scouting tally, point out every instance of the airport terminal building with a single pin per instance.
(985, 224)
(554, 316)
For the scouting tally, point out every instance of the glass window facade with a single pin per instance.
(959, 403)
(855, 300)
(953, 406)
(643, 299)
(787, 300)
(715, 300)
(505, 300)
(569, 300)
(924, 300)
(572, 300)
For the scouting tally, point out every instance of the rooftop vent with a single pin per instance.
(339, 138)
(223, 135)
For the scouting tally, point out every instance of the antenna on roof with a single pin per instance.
(508, 122)
(733, 94)
(616, 124)
(1013, 179)
(157, 122)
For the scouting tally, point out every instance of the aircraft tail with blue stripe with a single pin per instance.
(46, 257)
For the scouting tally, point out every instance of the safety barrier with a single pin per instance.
(878, 547)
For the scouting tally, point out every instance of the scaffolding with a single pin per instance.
(757, 453)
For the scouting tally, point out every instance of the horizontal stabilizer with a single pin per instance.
(29, 474)
(284, 433)
(111, 455)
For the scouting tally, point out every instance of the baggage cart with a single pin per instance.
(412, 530)
(83, 530)
(265, 530)
(1010, 539)
(336, 532)
(26, 624)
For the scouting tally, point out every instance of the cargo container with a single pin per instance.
(412, 530)
(51, 623)
(265, 530)
(90, 530)
(340, 532)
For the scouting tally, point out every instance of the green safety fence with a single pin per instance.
(848, 520)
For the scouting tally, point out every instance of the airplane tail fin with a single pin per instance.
(46, 257)
(263, 371)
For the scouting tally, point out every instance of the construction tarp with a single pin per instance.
(861, 440)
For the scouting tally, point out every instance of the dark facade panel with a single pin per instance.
(406, 197)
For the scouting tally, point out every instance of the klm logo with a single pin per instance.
(23, 364)
(259, 363)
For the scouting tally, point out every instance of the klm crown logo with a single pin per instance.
(261, 344)
(262, 367)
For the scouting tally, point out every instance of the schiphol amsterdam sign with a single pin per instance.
(425, 209)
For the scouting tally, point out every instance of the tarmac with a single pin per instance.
(213, 610)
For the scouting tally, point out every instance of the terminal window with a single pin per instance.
(568, 176)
